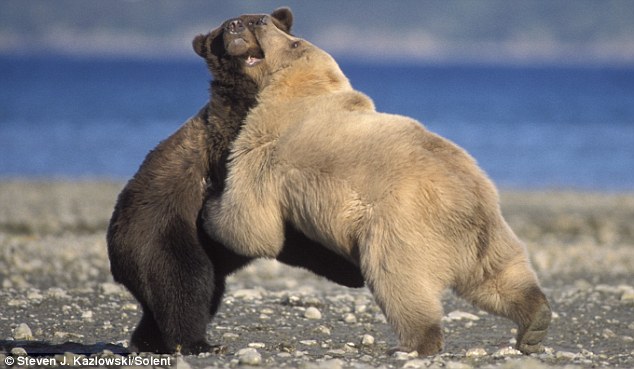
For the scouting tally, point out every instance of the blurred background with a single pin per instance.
(540, 92)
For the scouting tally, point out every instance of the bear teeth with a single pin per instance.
(251, 61)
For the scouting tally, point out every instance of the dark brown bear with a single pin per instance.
(156, 247)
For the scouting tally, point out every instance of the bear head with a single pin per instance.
(233, 46)
(293, 63)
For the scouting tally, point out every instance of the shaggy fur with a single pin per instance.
(412, 209)
(155, 246)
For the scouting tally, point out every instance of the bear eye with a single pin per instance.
(295, 44)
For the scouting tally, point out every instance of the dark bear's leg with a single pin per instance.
(178, 289)
(225, 262)
(147, 336)
(513, 292)
(302, 252)
(181, 294)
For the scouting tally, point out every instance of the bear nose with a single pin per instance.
(235, 26)
(262, 21)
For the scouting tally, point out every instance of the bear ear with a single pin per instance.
(285, 16)
(199, 45)
(209, 45)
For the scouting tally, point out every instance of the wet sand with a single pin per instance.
(55, 279)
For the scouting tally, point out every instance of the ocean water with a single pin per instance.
(529, 128)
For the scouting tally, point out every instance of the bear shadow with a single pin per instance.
(43, 348)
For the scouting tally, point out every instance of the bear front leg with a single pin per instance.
(303, 252)
(247, 224)
(408, 296)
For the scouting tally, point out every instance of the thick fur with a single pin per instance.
(412, 209)
(154, 243)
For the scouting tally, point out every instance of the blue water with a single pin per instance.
(529, 128)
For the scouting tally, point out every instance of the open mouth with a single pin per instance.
(252, 61)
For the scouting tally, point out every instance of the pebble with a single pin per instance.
(628, 297)
(308, 342)
(110, 288)
(18, 351)
(312, 313)
(257, 345)
(34, 295)
(565, 355)
(87, 315)
(401, 355)
(608, 333)
(323, 330)
(182, 364)
(457, 365)
(417, 364)
(22, 332)
(476, 352)
(367, 340)
(230, 336)
(248, 294)
(56, 293)
(505, 352)
(326, 364)
(350, 318)
(249, 356)
(460, 315)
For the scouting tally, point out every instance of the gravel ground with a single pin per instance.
(57, 295)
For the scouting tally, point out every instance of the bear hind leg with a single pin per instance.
(147, 336)
(514, 293)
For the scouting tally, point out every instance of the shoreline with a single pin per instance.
(55, 277)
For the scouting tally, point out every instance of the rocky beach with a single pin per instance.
(59, 304)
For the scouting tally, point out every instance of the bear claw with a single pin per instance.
(529, 341)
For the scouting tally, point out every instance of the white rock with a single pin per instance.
(110, 288)
(230, 336)
(460, 315)
(34, 295)
(182, 364)
(367, 340)
(350, 318)
(308, 342)
(608, 333)
(249, 356)
(18, 351)
(326, 364)
(565, 355)
(350, 347)
(57, 293)
(323, 330)
(401, 355)
(628, 296)
(248, 294)
(476, 352)
(417, 363)
(22, 332)
(312, 313)
(457, 365)
(257, 345)
(505, 352)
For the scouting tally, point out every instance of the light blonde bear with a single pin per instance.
(412, 209)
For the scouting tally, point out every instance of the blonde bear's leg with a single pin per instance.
(246, 222)
(405, 289)
(512, 291)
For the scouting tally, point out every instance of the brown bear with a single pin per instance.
(411, 208)
(155, 245)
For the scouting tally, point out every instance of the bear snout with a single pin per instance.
(235, 26)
